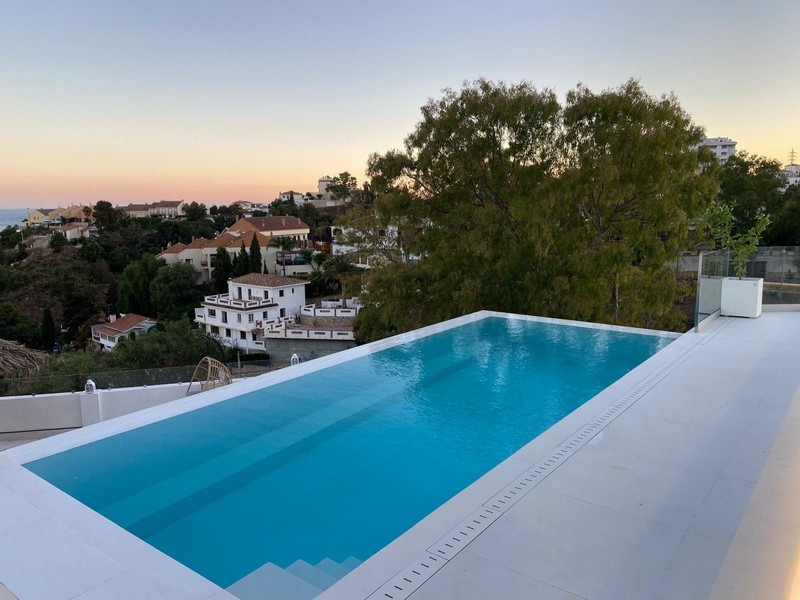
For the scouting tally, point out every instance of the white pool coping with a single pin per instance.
(55, 547)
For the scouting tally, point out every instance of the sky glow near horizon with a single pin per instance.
(222, 101)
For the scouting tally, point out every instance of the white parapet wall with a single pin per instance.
(69, 410)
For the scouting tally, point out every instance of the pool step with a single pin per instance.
(298, 581)
(270, 581)
(312, 574)
(336, 569)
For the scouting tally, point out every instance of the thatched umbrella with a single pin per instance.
(18, 361)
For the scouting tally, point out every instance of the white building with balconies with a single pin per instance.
(722, 147)
(254, 303)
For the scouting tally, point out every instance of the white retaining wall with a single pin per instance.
(69, 410)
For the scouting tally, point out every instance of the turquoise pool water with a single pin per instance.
(338, 463)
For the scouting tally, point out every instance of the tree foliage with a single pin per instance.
(16, 326)
(58, 241)
(255, 256)
(241, 262)
(223, 270)
(507, 200)
(174, 292)
(133, 289)
(176, 344)
(48, 330)
(106, 217)
(225, 215)
(283, 243)
(784, 229)
(339, 268)
(750, 185)
(194, 211)
(342, 185)
(742, 244)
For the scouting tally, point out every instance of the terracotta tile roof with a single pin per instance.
(174, 249)
(226, 240)
(267, 280)
(122, 325)
(230, 240)
(200, 242)
(268, 224)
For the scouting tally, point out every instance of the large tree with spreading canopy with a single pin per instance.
(513, 202)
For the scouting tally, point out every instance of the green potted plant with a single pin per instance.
(741, 296)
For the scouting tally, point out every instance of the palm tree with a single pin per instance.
(339, 267)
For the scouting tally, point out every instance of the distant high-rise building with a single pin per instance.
(792, 170)
(722, 147)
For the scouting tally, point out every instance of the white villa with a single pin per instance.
(108, 335)
(75, 231)
(254, 302)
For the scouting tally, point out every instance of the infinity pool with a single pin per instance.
(313, 475)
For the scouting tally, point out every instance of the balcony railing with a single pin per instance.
(225, 300)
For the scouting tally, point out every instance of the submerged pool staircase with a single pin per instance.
(298, 581)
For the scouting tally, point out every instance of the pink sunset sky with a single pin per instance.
(217, 102)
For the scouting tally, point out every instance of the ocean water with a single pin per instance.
(11, 217)
(337, 463)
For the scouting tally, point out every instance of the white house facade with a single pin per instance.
(108, 335)
(254, 302)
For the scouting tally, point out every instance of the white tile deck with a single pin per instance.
(645, 506)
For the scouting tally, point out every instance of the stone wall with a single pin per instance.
(281, 350)
(326, 322)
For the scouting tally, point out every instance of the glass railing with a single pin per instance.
(713, 268)
(121, 379)
(778, 266)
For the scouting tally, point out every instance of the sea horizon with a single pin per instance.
(11, 217)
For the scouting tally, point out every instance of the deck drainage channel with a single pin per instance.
(407, 581)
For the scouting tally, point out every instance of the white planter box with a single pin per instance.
(741, 297)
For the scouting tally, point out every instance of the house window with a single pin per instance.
(251, 317)
(254, 336)
(293, 290)
(242, 335)
(249, 294)
(215, 329)
(239, 318)
(224, 316)
(280, 293)
(212, 312)
(187, 261)
(227, 333)
(265, 315)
